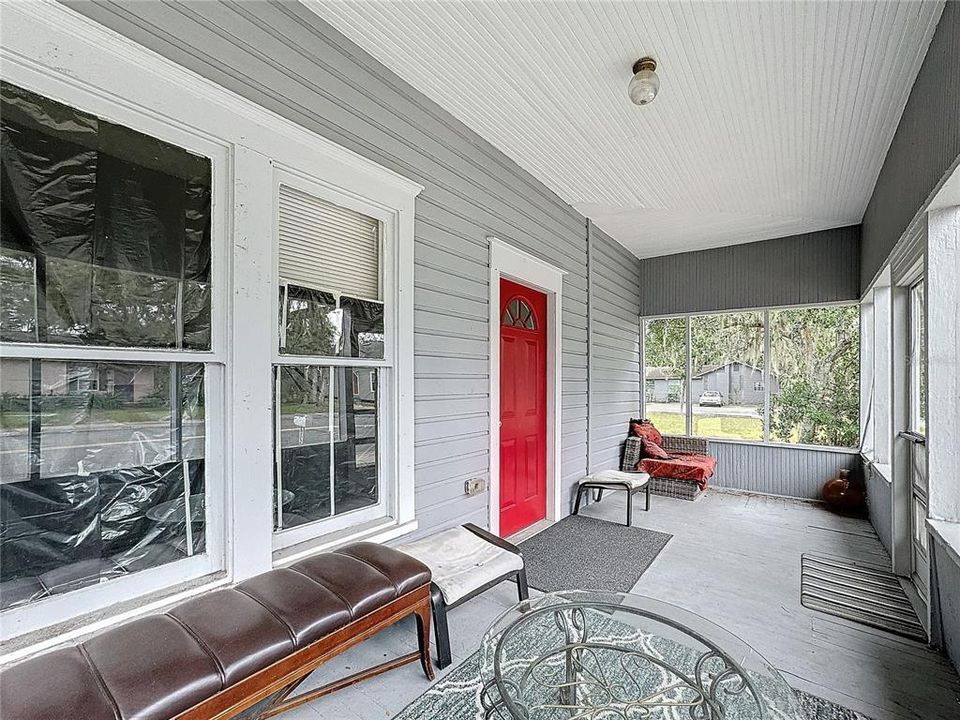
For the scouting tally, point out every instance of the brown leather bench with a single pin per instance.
(224, 652)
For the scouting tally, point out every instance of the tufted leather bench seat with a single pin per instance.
(221, 653)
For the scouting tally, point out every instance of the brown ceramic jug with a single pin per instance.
(843, 494)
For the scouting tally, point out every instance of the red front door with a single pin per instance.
(523, 407)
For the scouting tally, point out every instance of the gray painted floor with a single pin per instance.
(735, 559)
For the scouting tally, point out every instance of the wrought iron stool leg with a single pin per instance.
(440, 630)
(522, 590)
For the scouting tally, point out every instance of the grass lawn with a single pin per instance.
(732, 427)
(15, 420)
(668, 423)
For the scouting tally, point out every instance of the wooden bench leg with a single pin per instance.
(423, 639)
(440, 630)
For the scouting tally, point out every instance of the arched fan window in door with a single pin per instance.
(519, 314)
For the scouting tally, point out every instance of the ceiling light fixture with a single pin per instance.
(645, 83)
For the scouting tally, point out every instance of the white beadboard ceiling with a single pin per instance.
(773, 118)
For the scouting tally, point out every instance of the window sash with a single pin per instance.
(388, 401)
(286, 536)
(42, 613)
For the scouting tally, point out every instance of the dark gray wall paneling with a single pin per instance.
(946, 601)
(774, 470)
(816, 267)
(924, 148)
(614, 348)
(880, 506)
(284, 57)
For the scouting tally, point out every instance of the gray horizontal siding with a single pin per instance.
(775, 470)
(282, 56)
(614, 347)
(924, 148)
(809, 268)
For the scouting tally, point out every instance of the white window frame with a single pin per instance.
(688, 409)
(53, 50)
(388, 400)
(36, 615)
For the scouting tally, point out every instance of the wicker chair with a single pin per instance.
(670, 487)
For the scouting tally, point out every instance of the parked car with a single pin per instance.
(711, 397)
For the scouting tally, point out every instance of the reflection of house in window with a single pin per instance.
(740, 383)
(82, 378)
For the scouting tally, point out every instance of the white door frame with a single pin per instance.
(509, 262)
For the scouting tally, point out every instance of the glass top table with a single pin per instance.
(593, 655)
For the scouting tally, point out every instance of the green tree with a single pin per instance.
(814, 368)
(816, 360)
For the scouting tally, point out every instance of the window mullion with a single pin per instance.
(36, 418)
(278, 447)
(766, 376)
(331, 361)
(283, 320)
(102, 354)
(643, 369)
(330, 438)
(688, 380)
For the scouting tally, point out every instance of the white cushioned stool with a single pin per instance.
(630, 482)
(464, 562)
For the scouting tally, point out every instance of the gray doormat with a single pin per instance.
(583, 553)
(862, 593)
(457, 697)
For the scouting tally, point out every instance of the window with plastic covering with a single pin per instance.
(331, 366)
(105, 288)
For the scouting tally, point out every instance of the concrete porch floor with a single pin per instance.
(735, 559)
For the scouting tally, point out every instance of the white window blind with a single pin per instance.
(328, 247)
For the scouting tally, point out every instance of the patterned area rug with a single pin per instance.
(583, 552)
(457, 697)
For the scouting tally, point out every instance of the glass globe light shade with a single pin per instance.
(643, 87)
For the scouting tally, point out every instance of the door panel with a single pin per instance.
(523, 406)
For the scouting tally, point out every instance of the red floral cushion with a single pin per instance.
(698, 468)
(645, 429)
(652, 450)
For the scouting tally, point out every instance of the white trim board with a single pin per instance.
(507, 261)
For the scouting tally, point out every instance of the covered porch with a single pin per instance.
(291, 293)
